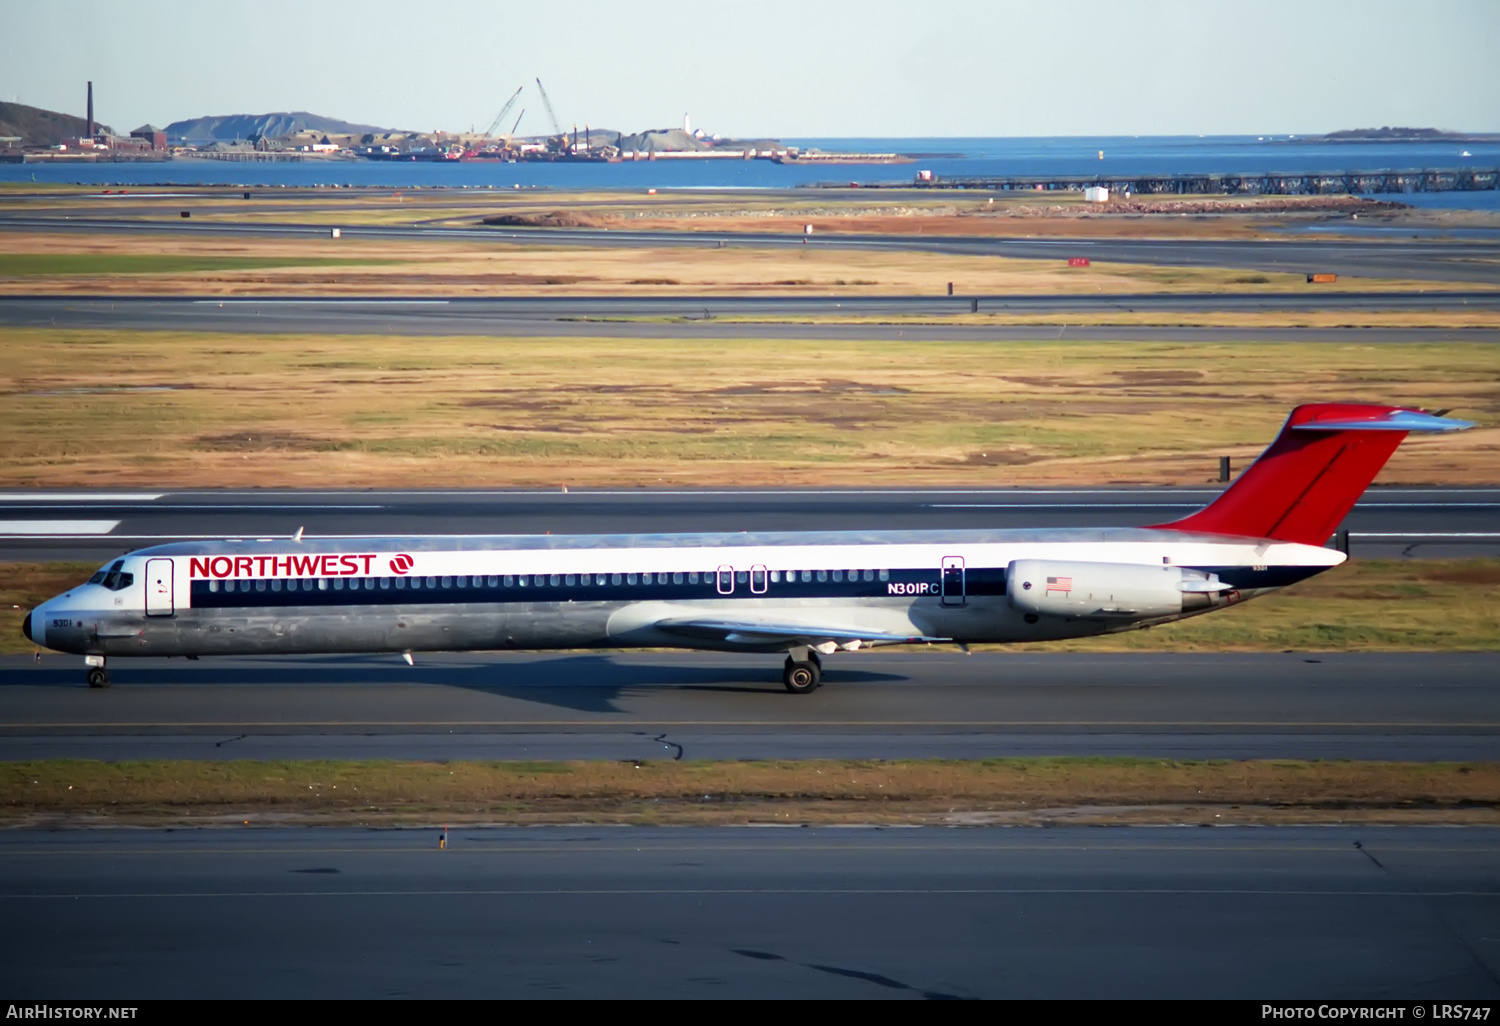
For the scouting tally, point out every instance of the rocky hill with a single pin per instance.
(675, 140)
(38, 127)
(228, 127)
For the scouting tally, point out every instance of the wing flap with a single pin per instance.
(762, 633)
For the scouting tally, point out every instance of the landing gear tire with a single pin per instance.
(801, 678)
(98, 677)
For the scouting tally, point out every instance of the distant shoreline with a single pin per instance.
(1396, 135)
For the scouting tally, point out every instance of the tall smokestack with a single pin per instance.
(90, 132)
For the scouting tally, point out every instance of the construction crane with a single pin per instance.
(511, 134)
(503, 111)
(557, 131)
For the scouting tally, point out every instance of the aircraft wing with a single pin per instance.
(768, 633)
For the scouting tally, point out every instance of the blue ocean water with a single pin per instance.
(946, 157)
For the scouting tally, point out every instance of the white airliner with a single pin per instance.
(806, 594)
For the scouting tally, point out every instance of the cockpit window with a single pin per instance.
(113, 579)
(105, 571)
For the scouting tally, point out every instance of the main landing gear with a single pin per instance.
(803, 671)
(98, 676)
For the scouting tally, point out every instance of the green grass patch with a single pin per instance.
(722, 791)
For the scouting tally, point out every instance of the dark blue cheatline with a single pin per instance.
(612, 587)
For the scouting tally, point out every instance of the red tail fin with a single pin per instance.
(1303, 486)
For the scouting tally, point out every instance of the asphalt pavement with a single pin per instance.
(1421, 258)
(1268, 913)
(98, 524)
(924, 703)
(689, 316)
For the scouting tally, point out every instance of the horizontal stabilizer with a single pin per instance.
(1394, 420)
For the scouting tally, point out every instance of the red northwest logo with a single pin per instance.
(401, 563)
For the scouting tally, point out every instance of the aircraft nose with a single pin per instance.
(26, 626)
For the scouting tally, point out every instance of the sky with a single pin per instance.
(806, 69)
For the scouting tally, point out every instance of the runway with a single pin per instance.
(85, 524)
(1422, 259)
(1268, 913)
(689, 316)
(886, 704)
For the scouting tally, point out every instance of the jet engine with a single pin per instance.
(1108, 591)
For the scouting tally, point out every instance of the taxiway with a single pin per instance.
(878, 704)
(1298, 914)
(1451, 260)
(97, 524)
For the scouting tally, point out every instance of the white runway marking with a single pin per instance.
(221, 506)
(79, 496)
(1177, 505)
(55, 528)
(1432, 535)
(1061, 505)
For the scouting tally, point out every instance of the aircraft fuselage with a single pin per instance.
(496, 592)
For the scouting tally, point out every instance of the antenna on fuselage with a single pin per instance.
(298, 536)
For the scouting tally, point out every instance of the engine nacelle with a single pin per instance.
(1108, 591)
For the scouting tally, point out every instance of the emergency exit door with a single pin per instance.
(159, 601)
(953, 581)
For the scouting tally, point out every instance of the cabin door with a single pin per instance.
(953, 581)
(159, 588)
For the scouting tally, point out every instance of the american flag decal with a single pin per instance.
(1060, 584)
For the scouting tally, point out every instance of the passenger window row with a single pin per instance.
(510, 580)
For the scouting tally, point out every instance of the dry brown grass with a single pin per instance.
(1057, 326)
(836, 212)
(377, 267)
(971, 223)
(747, 792)
(186, 409)
(883, 211)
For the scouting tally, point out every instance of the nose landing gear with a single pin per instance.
(803, 671)
(98, 676)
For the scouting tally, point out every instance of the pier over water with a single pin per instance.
(1256, 184)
